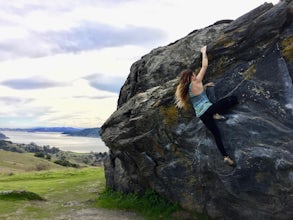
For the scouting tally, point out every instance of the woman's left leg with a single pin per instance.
(223, 105)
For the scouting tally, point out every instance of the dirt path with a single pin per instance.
(99, 214)
(85, 214)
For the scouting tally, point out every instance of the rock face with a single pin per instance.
(155, 145)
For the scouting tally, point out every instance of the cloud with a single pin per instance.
(31, 83)
(43, 28)
(90, 36)
(25, 6)
(84, 37)
(94, 97)
(24, 116)
(7, 100)
(106, 83)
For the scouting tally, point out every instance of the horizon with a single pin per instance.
(40, 127)
(63, 64)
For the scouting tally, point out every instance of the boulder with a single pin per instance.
(155, 145)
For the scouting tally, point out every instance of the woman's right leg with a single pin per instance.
(212, 126)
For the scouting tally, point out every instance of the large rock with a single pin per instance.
(155, 145)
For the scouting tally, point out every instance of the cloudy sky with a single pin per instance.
(62, 63)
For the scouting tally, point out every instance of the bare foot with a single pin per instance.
(217, 116)
(229, 161)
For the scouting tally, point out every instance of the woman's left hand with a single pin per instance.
(210, 84)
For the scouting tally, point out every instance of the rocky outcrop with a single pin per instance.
(155, 145)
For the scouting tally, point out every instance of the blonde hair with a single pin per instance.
(182, 90)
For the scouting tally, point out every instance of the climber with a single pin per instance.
(191, 89)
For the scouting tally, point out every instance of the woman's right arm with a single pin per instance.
(204, 64)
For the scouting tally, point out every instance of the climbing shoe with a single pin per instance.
(229, 161)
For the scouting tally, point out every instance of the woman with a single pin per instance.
(191, 89)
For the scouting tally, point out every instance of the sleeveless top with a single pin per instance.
(200, 102)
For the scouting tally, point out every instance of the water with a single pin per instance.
(59, 140)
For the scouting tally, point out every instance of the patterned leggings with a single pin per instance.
(221, 107)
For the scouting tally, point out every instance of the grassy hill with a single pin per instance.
(35, 188)
(11, 162)
(63, 192)
(65, 158)
(63, 189)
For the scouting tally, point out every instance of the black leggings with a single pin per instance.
(221, 107)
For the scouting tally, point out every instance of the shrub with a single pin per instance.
(66, 163)
(19, 195)
(40, 154)
(42, 166)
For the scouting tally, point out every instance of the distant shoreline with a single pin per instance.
(81, 132)
(65, 142)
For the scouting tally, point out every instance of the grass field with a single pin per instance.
(63, 190)
(58, 192)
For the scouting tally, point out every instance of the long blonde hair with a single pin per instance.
(182, 90)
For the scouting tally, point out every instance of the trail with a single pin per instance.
(99, 214)
(84, 214)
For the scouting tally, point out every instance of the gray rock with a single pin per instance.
(155, 145)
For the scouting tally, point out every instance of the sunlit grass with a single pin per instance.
(69, 189)
(57, 187)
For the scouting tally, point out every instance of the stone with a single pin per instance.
(154, 145)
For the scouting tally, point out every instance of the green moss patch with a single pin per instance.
(287, 45)
(170, 114)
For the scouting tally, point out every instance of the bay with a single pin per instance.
(59, 140)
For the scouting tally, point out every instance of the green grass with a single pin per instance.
(59, 187)
(58, 191)
(150, 205)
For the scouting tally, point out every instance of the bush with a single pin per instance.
(40, 154)
(42, 166)
(19, 195)
(66, 163)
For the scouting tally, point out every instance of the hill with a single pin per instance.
(11, 162)
(43, 129)
(54, 155)
(2, 136)
(88, 132)
(53, 129)
(82, 132)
